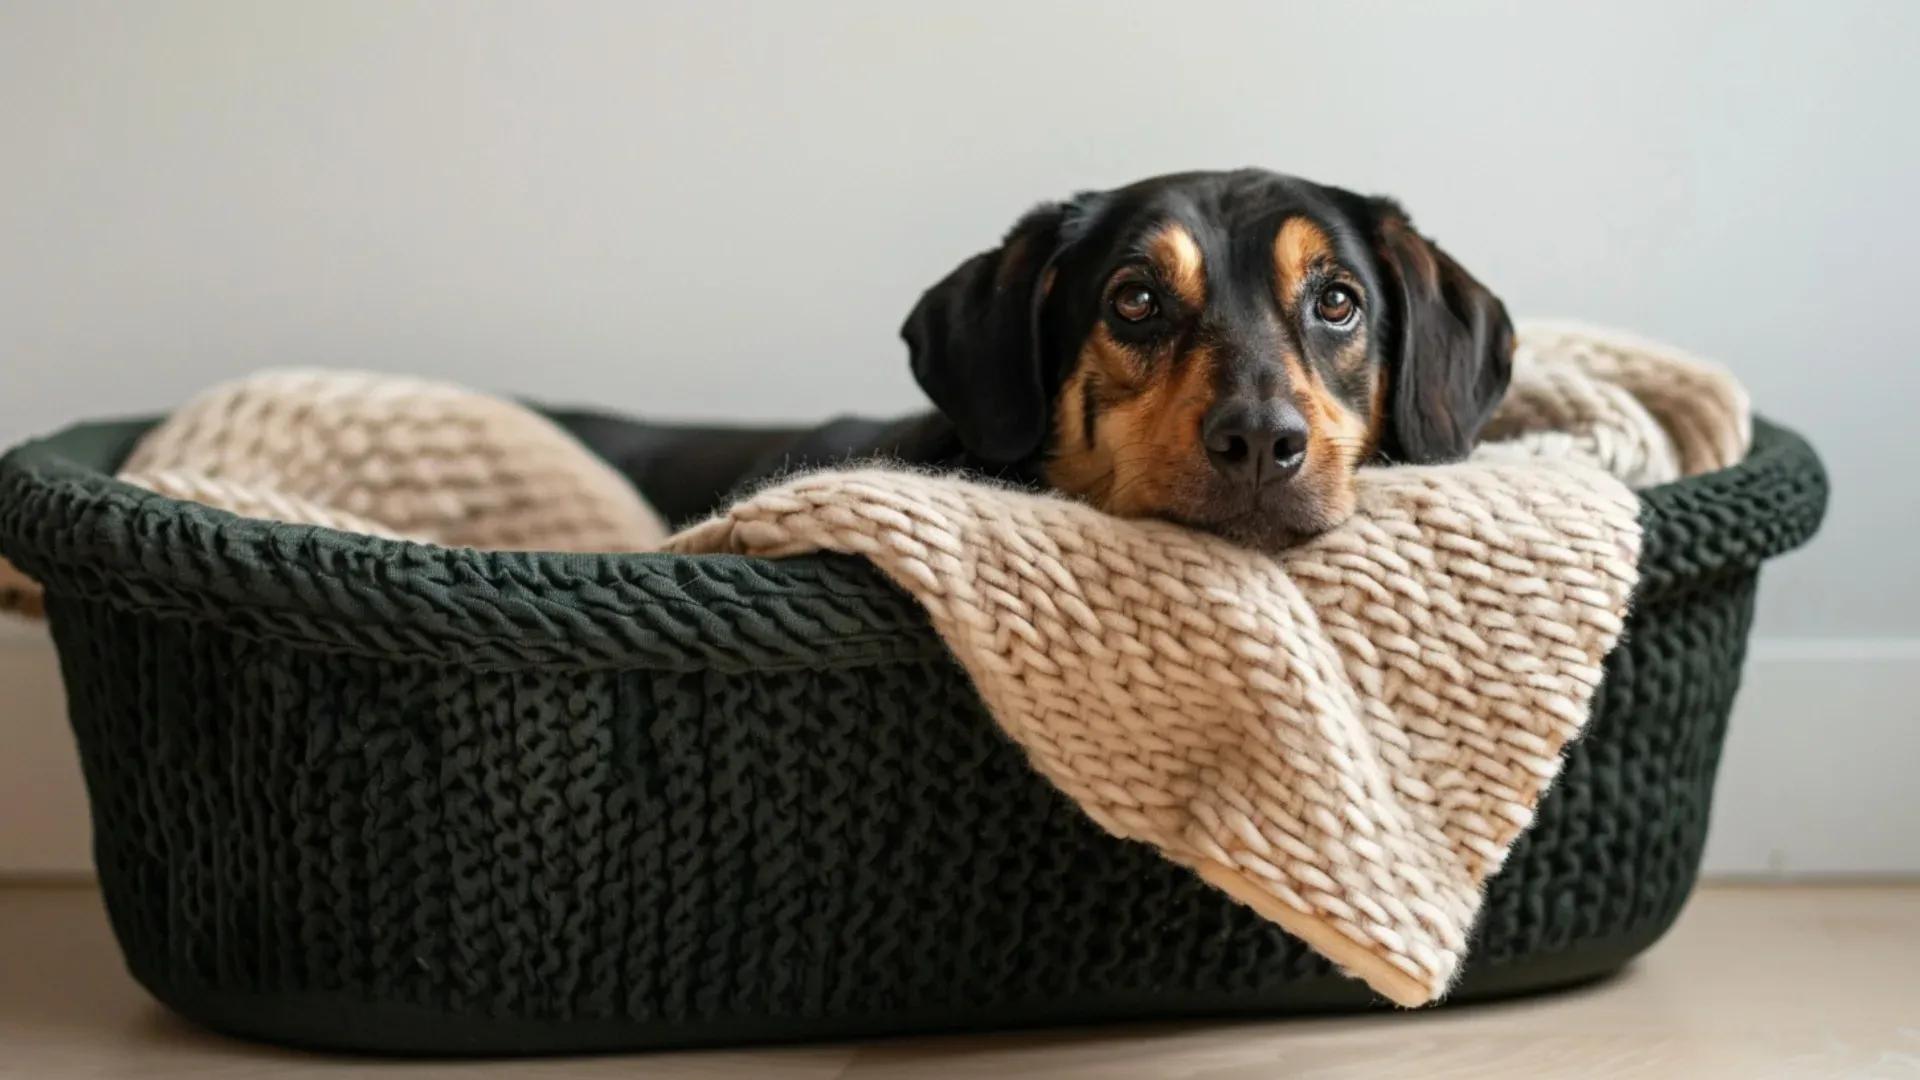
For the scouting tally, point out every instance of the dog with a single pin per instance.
(1218, 349)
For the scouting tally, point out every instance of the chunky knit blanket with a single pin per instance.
(1347, 736)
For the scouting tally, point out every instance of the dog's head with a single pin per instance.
(1219, 349)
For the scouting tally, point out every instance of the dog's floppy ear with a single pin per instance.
(975, 340)
(1449, 346)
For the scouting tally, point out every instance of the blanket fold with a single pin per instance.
(1346, 736)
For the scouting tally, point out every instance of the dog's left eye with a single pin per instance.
(1336, 305)
(1135, 303)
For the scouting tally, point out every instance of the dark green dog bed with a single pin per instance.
(354, 793)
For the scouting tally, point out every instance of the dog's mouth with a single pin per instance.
(1267, 517)
(1266, 521)
(1263, 532)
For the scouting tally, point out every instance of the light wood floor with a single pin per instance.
(1754, 982)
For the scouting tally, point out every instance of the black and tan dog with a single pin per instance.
(1218, 349)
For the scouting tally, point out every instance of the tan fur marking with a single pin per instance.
(1297, 376)
(1143, 455)
(1352, 356)
(1116, 363)
(1080, 463)
(1337, 442)
(1155, 439)
(1069, 416)
(1297, 248)
(1145, 447)
(1377, 422)
(1179, 259)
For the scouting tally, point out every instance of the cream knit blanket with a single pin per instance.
(1346, 736)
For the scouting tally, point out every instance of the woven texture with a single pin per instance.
(356, 793)
(386, 455)
(1347, 735)
(1347, 738)
(382, 455)
(1638, 410)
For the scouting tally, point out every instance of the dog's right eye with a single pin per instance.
(1135, 303)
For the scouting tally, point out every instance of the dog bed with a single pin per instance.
(367, 793)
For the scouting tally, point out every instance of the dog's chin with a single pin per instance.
(1274, 523)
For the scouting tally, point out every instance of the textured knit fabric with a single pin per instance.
(373, 795)
(1347, 738)
(384, 455)
(1646, 413)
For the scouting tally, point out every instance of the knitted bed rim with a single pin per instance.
(83, 534)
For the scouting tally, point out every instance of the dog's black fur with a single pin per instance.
(1009, 336)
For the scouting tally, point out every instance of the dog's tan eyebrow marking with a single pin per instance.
(1298, 248)
(1177, 254)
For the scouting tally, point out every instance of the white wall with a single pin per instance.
(724, 209)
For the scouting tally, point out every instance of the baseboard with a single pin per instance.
(1818, 777)
(44, 828)
(1817, 781)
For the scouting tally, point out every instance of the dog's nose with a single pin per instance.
(1256, 442)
